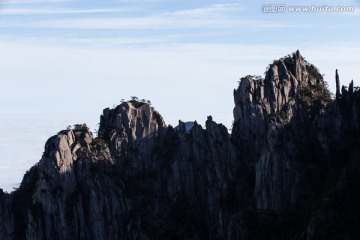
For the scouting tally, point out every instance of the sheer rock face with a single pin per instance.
(291, 148)
(71, 199)
(132, 130)
(6, 216)
(198, 170)
(257, 100)
(275, 121)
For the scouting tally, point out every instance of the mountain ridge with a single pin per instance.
(290, 157)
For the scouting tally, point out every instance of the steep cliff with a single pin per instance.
(298, 141)
(288, 170)
(276, 118)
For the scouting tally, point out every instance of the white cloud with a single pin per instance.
(150, 22)
(217, 16)
(15, 2)
(211, 10)
(49, 11)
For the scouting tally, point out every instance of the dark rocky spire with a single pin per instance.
(337, 84)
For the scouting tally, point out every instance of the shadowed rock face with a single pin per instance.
(270, 118)
(289, 170)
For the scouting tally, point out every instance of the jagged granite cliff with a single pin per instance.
(290, 169)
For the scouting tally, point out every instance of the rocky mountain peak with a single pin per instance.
(138, 120)
(63, 147)
(133, 129)
(269, 114)
(289, 169)
(288, 82)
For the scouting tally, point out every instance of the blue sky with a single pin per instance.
(62, 62)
